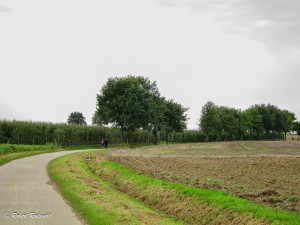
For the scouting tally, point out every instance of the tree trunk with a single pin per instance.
(285, 136)
(155, 135)
(122, 136)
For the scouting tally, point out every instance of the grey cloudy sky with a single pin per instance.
(56, 55)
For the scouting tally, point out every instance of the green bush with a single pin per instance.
(10, 148)
(39, 133)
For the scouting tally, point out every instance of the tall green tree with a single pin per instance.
(210, 121)
(255, 123)
(175, 118)
(126, 102)
(268, 115)
(288, 120)
(157, 109)
(230, 123)
(296, 127)
(76, 118)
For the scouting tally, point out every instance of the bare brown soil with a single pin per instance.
(169, 201)
(238, 148)
(264, 172)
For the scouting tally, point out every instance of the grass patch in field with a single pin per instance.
(193, 205)
(80, 147)
(236, 148)
(18, 155)
(9, 152)
(96, 200)
(10, 148)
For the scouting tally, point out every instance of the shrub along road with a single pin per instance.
(26, 196)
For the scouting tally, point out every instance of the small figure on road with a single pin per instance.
(106, 143)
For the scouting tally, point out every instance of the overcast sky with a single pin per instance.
(56, 55)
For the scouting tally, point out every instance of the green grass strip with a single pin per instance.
(9, 152)
(18, 155)
(215, 198)
(101, 204)
(79, 147)
(10, 148)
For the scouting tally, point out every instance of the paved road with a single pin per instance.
(27, 198)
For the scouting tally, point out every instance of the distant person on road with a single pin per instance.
(106, 143)
(102, 143)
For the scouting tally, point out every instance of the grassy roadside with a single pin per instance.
(193, 205)
(11, 148)
(96, 200)
(9, 152)
(18, 155)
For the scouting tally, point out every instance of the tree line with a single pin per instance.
(255, 123)
(132, 103)
(137, 114)
(40, 133)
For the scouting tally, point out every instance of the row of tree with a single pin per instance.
(138, 113)
(257, 122)
(134, 103)
(19, 132)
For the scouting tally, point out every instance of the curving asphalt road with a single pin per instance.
(26, 196)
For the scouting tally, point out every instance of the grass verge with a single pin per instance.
(96, 200)
(190, 204)
(10, 148)
(9, 152)
(18, 155)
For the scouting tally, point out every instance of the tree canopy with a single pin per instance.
(296, 127)
(256, 122)
(174, 117)
(76, 118)
(133, 102)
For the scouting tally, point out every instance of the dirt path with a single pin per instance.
(26, 196)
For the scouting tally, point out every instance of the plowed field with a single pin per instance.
(264, 172)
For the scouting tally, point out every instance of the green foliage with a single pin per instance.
(255, 123)
(78, 147)
(210, 121)
(106, 205)
(287, 120)
(231, 123)
(125, 102)
(76, 118)
(132, 103)
(9, 152)
(296, 127)
(187, 137)
(36, 133)
(293, 199)
(18, 155)
(174, 118)
(10, 148)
